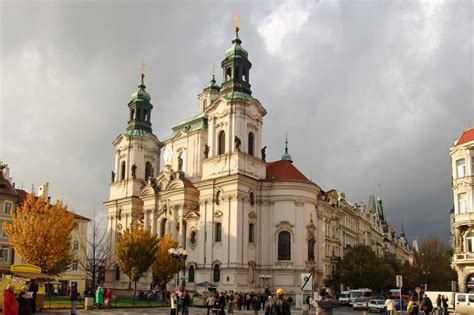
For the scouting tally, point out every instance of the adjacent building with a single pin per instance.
(10, 199)
(462, 165)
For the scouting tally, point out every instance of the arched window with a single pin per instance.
(163, 227)
(191, 274)
(244, 75)
(228, 74)
(132, 114)
(192, 237)
(148, 170)
(221, 142)
(204, 104)
(251, 143)
(146, 115)
(123, 170)
(216, 273)
(218, 234)
(251, 232)
(284, 245)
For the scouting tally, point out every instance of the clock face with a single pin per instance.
(167, 156)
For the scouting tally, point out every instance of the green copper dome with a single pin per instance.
(286, 156)
(141, 94)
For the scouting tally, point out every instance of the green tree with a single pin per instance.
(362, 268)
(166, 266)
(41, 234)
(135, 252)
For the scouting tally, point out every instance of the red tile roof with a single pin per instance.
(284, 171)
(467, 136)
(22, 196)
(5, 187)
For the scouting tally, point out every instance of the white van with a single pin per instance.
(464, 303)
(360, 293)
(344, 298)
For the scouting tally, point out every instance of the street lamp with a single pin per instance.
(179, 254)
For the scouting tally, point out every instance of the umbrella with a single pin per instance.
(205, 284)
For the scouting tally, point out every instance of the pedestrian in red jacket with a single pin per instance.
(9, 301)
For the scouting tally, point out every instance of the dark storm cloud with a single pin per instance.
(369, 92)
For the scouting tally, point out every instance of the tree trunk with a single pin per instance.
(134, 292)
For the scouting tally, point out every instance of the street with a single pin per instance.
(198, 311)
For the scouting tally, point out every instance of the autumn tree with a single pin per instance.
(166, 266)
(135, 251)
(432, 265)
(97, 251)
(41, 234)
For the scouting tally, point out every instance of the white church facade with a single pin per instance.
(245, 223)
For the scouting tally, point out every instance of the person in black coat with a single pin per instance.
(24, 301)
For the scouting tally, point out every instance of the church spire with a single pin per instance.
(286, 156)
(236, 69)
(140, 107)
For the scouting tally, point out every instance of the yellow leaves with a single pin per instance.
(135, 251)
(40, 233)
(165, 266)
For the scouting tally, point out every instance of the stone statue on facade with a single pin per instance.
(206, 151)
(134, 171)
(180, 163)
(264, 155)
(458, 239)
(112, 176)
(237, 143)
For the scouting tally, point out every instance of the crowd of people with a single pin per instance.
(271, 304)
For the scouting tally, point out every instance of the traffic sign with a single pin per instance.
(306, 281)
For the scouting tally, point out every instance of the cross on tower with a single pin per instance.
(236, 23)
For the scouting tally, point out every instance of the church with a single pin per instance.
(245, 222)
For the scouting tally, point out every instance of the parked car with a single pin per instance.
(344, 298)
(376, 306)
(360, 304)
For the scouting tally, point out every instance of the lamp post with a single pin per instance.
(179, 254)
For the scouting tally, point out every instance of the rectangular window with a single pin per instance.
(75, 245)
(462, 203)
(251, 232)
(4, 234)
(218, 235)
(75, 265)
(460, 168)
(7, 207)
(4, 255)
(76, 227)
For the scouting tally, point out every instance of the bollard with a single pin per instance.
(89, 303)
(305, 309)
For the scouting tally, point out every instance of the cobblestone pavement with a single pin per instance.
(192, 311)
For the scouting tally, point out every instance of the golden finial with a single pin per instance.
(213, 70)
(236, 23)
(142, 70)
(286, 138)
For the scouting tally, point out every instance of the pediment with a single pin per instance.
(147, 191)
(192, 215)
(218, 214)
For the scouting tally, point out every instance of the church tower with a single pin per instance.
(137, 158)
(235, 119)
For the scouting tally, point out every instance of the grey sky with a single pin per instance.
(370, 92)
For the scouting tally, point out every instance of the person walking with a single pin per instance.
(33, 288)
(278, 305)
(390, 306)
(9, 306)
(99, 297)
(325, 304)
(209, 303)
(24, 301)
(186, 302)
(108, 298)
(444, 301)
(173, 304)
(255, 304)
(426, 305)
(410, 306)
(74, 298)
